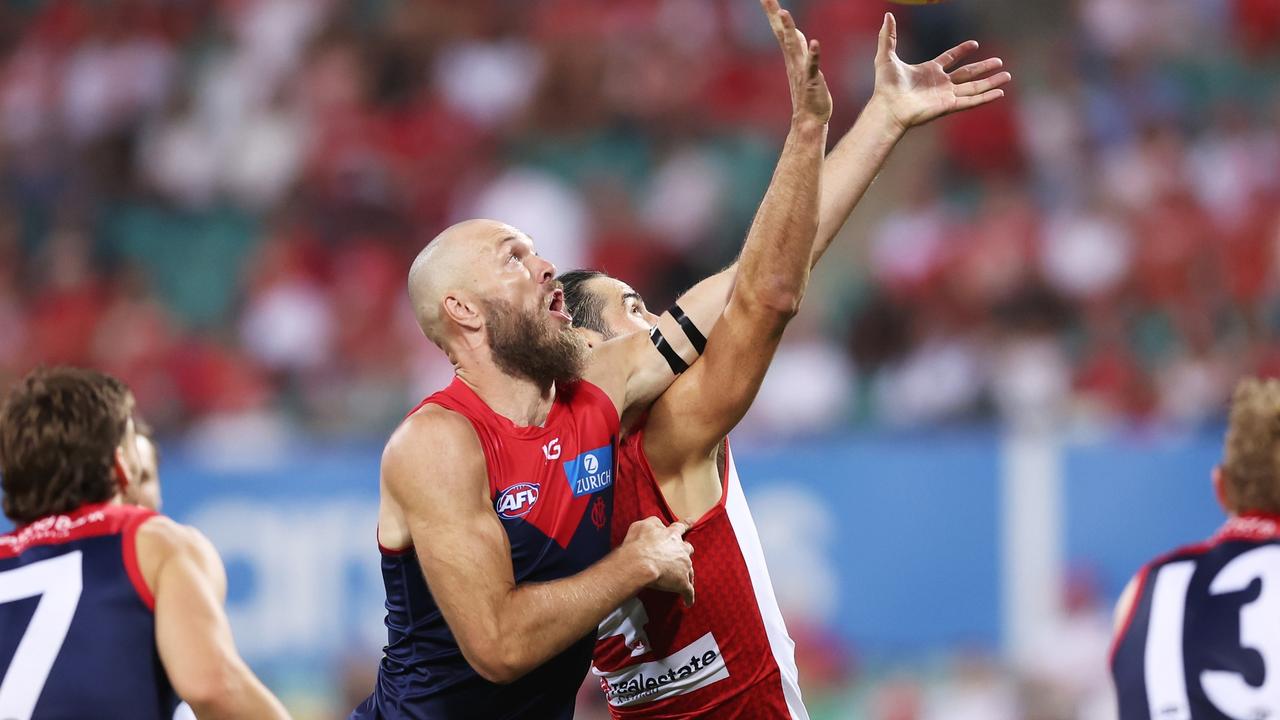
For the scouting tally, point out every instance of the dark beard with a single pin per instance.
(524, 346)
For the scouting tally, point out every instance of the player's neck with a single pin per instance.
(517, 398)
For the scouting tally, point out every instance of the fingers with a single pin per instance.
(888, 43)
(974, 101)
(976, 70)
(949, 58)
(688, 547)
(687, 591)
(771, 10)
(815, 59)
(784, 29)
(680, 527)
(978, 87)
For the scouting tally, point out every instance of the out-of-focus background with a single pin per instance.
(1005, 391)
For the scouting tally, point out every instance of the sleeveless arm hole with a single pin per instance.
(129, 549)
(725, 471)
(1139, 587)
(668, 514)
(601, 399)
(389, 552)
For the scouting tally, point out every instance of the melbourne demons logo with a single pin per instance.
(517, 500)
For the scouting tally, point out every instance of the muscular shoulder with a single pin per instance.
(433, 433)
(433, 440)
(164, 533)
(161, 540)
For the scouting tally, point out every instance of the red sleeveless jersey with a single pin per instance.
(729, 656)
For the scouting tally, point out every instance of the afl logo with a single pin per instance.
(590, 464)
(517, 500)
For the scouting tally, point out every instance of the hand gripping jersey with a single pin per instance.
(1202, 640)
(552, 488)
(77, 633)
(729, 656)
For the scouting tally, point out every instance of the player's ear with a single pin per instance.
(1220, 489)
(121, 469)
(463, 312)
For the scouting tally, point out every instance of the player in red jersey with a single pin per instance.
(729, 655)
(497, 492)
(106, 610)
(1197, 636)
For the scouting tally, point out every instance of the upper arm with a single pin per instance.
(702, 406)
(632, 371)
(435, 471)
(193, 636)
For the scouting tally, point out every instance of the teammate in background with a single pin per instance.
(730, 655)
(106, 610)
(148, 494)
(1198, 629)
(497, 493)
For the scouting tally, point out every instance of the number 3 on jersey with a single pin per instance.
(58, 581)
(1259, 631)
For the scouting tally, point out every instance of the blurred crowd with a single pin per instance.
(218, 199)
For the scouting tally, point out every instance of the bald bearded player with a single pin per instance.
(497, 492)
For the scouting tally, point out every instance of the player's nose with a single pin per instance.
(544, 270)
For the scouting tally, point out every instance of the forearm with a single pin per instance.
(774, 267)
(242, 699)
(540, 620)
(851, 168)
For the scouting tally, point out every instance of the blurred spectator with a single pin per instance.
(218, 201)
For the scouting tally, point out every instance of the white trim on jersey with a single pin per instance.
(780, 642)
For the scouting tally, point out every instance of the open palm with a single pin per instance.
(916, 94)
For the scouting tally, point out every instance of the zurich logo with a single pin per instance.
(590, 471)
(517, 500)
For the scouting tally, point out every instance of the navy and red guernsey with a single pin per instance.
(1202, 639)
(77, 632)
(552, 488)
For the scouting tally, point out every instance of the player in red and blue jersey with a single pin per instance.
(107, 610)
(496, 493)
(1198, 629)
(730, 655)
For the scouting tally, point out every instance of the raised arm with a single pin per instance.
(193, 637)
(434, 470)
(700, 408)
(905, 96)
(703, 405)
(773, 270)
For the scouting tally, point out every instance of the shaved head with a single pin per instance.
(480, 285)
(448, 264)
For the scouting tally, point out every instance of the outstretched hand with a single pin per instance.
(810, 98)
(916, 94)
